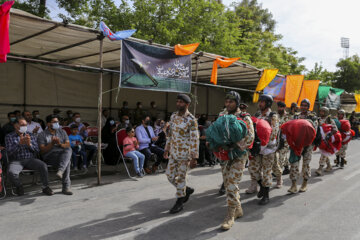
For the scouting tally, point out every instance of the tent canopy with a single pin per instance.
(38, 38)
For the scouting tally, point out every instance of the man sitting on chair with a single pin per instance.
(22, 149)
(55, 148)
(146, 137)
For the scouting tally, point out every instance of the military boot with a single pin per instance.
(286, 170)
(303, 186)
(229, 220)
(293, 188)
(252, 188)
(328, 168)
(265, 200)
(261, 192)
(319, 171)
(337, 161)
(279, 182)
(178, 206)
(222, 190)
(342, 162)
(238, 212)
(188, 191)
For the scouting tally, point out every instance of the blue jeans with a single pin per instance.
(138, 160)
(82, 153)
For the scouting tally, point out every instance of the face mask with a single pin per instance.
(13, 119)
(147, 122)
(112, 122)
(154, 106)
(127, 121)
(23, 129)
(37, 116)
(70, 115)
(162, 125)
(77, 120)
(55, 126)
(140, 106)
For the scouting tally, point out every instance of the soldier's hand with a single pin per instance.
(193, 163)
(166, 155)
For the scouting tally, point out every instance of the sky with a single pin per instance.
(314, 28)
(311, 27)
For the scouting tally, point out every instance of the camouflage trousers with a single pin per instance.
(176, 173)
(342, 152)
(306, 171)
(324, 160)
(232, 176)
(277, 165)
(283, 157)
(260, 168)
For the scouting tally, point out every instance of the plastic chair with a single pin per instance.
(120, 136)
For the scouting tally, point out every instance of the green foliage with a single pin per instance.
(319, 73)
(36, 7)
(348, 74)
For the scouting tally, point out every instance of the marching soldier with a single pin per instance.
(281, 160)
(182, 147)
(325, 118)
(341, 154)
(307, 152)
(261, 165)
(232, 171)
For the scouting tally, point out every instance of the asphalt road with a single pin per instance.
(125, 209)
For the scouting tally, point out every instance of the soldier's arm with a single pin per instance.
(275, 127)
(168, 137)
(194, 140)
(249, 138)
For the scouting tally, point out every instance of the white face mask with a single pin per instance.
(23, 129)
(77, 120)
(112, 122)
(127, 121)
(37, 116)
(55, 126)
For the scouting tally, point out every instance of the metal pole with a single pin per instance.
(24, 86)
(99, 113)
(195, 89)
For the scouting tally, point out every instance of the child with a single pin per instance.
(130, 144)
(76, 143)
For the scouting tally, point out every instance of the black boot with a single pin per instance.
(178, 206)
(342, 163)
(286, 170)
(222, 190)
(337, 161)
(189, 191)
(265, 200)
(261, 192)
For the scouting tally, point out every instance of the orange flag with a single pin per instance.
(183, 50)
(309, 90)
(293, 88)
(224, 63)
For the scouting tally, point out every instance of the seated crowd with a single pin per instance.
(27, 142)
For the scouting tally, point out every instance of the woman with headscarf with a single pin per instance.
(108, 136)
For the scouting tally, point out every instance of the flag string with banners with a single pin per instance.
(224, 63)
(309, 90)
(276, 88)
(267, 76)
(183, 50)
(293, 89)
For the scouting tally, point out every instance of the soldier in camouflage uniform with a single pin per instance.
(307, 152)
(232, 170)
(261, 165)
(181, 147)
(281, 159)
(325, 118)
(341, 154)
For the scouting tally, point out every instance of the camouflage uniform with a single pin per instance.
(325, 159)
(183, 145)
(307, 152)
(342, 152)
(281, 155)
(262, 164)
(232, 171)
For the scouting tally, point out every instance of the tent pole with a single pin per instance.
(99, 112)
(196, 79)
(24, 86)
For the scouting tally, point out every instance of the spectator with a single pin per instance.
(138, 114)
(153, 112)
(146, 137)
(354, 124)
(104, 117)
(32, 127)
(55, 149)
(9, 127)
(77, 146)
(161, 142)
(68, 119)
(36, 118)
(108, 136)
(124, 110)
(130, 146)
(293, 108)
(17, 113)
(57, 112)
(125, 122)
(204, 152)
(22, 149)
(84, 134)
(157, 127)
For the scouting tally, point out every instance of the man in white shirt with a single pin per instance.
(32, 127)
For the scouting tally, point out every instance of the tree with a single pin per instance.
(348, 74)
(319, 73)
(36, 7)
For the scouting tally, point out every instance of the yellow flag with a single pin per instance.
(267, 76)
(357, 99)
